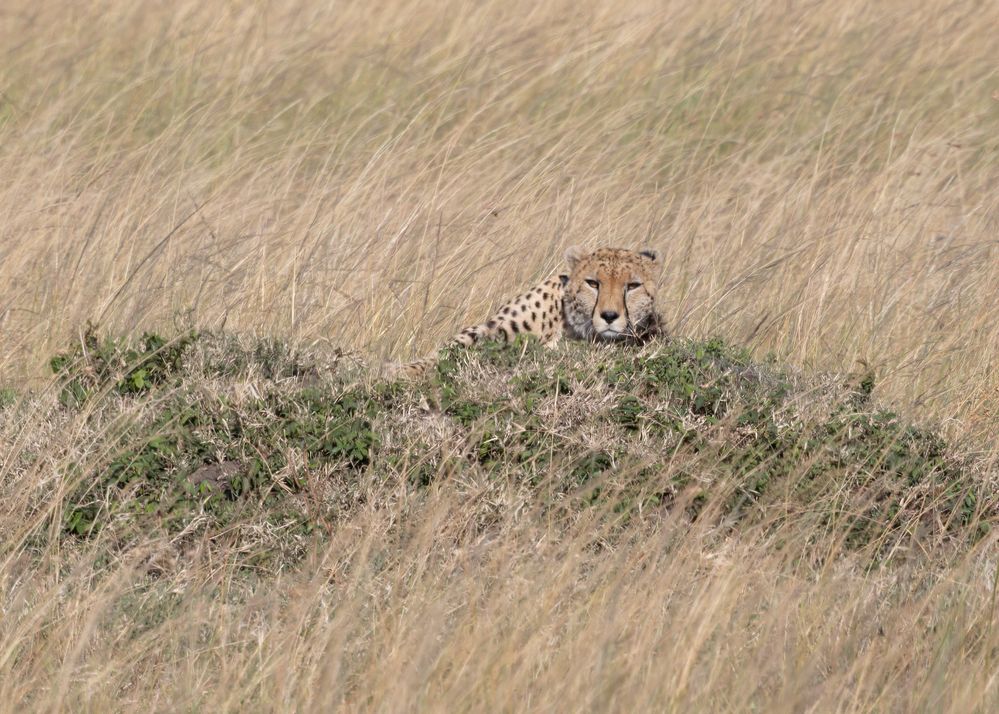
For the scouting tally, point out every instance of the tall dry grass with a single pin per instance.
(820, 178)
(407, 610)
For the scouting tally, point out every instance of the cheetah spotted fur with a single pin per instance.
(607, 295)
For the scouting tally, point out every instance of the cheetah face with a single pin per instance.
(610, 293)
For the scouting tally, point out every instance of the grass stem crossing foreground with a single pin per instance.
(208, 503)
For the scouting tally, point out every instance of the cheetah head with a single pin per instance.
(610, 292)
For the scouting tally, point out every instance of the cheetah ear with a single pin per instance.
(564, 279)
(651, 255)
(572, 255)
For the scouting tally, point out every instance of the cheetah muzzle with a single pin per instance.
(607, 295)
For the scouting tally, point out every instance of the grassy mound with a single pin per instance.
(218, 439)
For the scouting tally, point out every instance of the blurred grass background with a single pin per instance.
(820, 178)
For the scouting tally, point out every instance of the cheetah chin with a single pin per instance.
(608, 295)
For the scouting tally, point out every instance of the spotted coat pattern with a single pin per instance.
(607, 295)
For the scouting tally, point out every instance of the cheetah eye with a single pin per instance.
(633, 286)
(595, 284)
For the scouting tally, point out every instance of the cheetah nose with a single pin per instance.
(609, 315)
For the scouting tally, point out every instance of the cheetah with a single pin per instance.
(608, 295)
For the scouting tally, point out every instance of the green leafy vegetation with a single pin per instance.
(209, 432)
(127, 369)
(198, 454)
(8, 397)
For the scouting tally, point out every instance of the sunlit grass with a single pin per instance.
(820, 179)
